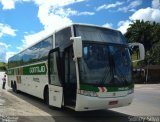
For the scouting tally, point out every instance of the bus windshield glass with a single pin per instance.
(99, 34)
(104, 64)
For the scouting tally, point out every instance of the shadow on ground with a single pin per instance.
(68, 115)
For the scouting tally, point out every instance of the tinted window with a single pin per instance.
(37, 52)
(25, 56)
(100, 34)
(10, 64)
(63, 38)
(54, 77)
(46, 46)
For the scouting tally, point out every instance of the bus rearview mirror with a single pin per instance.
(137, 51)
(77, 46)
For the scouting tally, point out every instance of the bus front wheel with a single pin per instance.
(46, 96)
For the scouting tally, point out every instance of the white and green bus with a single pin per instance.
(83, 67)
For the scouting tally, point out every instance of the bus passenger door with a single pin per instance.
(55, 86)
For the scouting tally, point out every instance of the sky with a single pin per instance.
(23, 22)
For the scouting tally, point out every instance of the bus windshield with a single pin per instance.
(100, 34)
(104, 64)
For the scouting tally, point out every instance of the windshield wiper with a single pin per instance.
(119, 78)
(108, 71)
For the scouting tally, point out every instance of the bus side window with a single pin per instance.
(54, 76)
(70, 69)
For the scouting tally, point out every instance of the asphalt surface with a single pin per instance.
(25, 108)
(146, 101)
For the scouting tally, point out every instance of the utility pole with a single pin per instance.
(147, 71)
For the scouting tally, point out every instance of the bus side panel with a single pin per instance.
(33, 85)
(11, 78)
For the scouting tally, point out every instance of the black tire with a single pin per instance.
(46, 96)
(12, 84)
(15, 88)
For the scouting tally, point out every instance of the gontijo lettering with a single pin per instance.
(37, 69)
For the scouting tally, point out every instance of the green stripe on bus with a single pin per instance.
(37, 69)
(114, 89)
(109, 89)
(89, 88)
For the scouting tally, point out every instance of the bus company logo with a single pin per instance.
(122, 88)
(102, 89)
(37, 69)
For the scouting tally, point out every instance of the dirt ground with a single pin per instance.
(25, 111)
(26, 108)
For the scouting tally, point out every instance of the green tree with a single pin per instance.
(155, 54)
(146, 33)
(140, 31)
(3, 66)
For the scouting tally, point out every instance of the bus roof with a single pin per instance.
(48, 35)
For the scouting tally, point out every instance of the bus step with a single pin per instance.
(71, 107)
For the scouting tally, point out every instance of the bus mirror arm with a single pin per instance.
(77, 47)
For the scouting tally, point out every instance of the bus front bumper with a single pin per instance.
(87, 103)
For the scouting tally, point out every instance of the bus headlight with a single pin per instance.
(87, 93)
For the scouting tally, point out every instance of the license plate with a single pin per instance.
(113, 102)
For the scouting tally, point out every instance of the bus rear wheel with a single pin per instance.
(12, 84)
(15, 88)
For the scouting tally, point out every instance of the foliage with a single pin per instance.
(3, 66)
(146, 33)
(155, 54)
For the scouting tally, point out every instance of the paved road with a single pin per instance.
(146, 101)
(28, 108)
